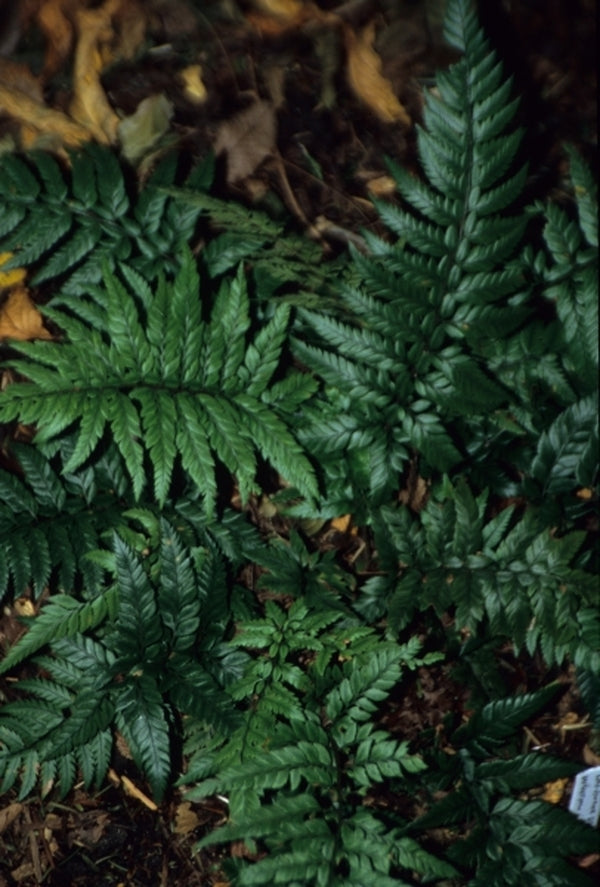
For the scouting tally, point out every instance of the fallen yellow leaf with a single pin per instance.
(381, 186)
(90, 106)
(583, 493)
(134, 792)
(8, 279)
(365, 77)
(193, 87)
(553, 791)
(342, 524)
(24, 607)
(38, 118)
(288, 11)
(20, 319)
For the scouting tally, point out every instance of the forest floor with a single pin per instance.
(301, 102)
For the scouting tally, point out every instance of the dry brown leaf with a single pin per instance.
(37, 118)
(247, 139)
(23, 872)
(365, 77)
(20, 319)
(289, 12)
(53, 18)
(381, 186)
(15, 75)
(185, 819)
(8, 815)
(131, 789)
(130, 22)
(272, 17)
(90, 107)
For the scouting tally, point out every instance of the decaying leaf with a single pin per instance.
(554, 791)
(289, 12)
(12, 277)
(53, 18)
(9, 814)
(342, 523)
(381, 186)
(39, 119)
(90, 106)
(364, 72)
(247, 139)
(15, 75)
(23, 607)
(193, 87)
(131, 789)
(185, 819)
(20, 319)
(140, 132)
(100, 34)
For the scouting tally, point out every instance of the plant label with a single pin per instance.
(585, 797)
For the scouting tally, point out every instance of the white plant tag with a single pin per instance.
(585, 797)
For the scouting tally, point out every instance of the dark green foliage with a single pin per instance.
(406, 367)
(452, 356)
(148, 665)
(71, 224)
(279, 257)
(172, 375)
(324, 754)
(510, 841)
(513, 573)
(48, 524)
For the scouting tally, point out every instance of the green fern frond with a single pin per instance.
(157, 399)
(586, 191)
(497, 720)
(39, 741)
(69, 223)
(520, 580)
(147, 643)
(410, 351)
(48, 526)
(571, 278)
(278, 257)
(140, 716)
(566, 454)
(61, 616)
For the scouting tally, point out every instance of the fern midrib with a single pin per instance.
(470, 140)
(164, 387)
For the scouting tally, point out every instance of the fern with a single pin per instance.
(180, 386)
(71, 224)
(279, 257)
(167, 617)
(49, 523)
(409, 361)
(509, 840)
(323, 748)
(126, 658)
(515, 575)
